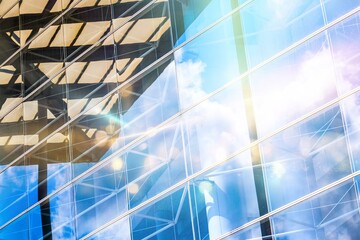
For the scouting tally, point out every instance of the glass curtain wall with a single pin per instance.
(179, 119)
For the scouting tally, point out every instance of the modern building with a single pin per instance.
(180, 119)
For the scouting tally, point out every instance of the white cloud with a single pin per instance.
(283, 93)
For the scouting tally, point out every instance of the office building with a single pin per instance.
(179, 119)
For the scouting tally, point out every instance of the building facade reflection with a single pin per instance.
(179, 119)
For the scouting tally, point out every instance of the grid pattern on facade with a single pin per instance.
(179, 119)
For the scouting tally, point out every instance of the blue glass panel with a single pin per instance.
(167, 218)
(216, 128)
(337, 8)
(200, 65)
(345, 40)
(152, 106)
(293, 85)
(27, 227)
(270, 26)
(192, 16)
(118, 230)
(61, 209)
(330, 215)
(252, 232)
(18, 191)
(305, 157)
(224, 198)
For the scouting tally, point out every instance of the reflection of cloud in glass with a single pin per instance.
(219, 121)
(189, 74)
(118, 231)
(283, 93)
(61, 207)
(17, 175)
(216, 128)
(278, 169)
(283, 9)
(345, 39)
(18, 187)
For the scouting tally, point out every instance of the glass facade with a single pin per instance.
(180, 119)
